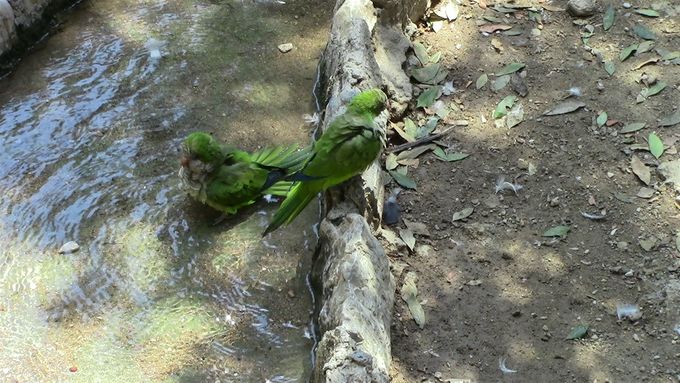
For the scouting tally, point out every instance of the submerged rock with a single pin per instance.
(285, 48)
(69, 247)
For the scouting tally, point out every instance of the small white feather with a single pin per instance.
(575, 91)
(502, 184)
(270, 198)
(504, 369)
(448, 88)
(312, 119)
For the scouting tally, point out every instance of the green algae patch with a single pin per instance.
(101, 351)
(145, 258)
(170, 333)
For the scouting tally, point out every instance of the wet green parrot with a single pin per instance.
(351, 143)
(228, 179)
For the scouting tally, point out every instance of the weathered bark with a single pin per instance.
(367, 49)
(358, 294)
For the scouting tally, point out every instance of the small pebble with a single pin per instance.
(627, 5)
(69, 247)
(285, 48)
(581, 8)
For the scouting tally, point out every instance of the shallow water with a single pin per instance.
(90, 126)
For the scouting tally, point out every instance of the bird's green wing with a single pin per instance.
(234, 187)
(288, 158)
(346, 148)
(341, 145)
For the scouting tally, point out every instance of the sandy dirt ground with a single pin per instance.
(492, 286)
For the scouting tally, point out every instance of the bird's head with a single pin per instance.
(202, 147)
(201, 155)
(371, 101)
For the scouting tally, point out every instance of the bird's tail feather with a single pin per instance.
(280, 188)
(274, 177)
(293, 205)
(283, 163)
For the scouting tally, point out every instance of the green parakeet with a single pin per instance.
(227, 178)
(351, 143)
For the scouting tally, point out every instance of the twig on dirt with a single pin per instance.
(419, 142)
(594, 217)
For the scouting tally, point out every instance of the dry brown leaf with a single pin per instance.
(645, 193)
(409, 293)
(491, 28)
(417, 228)
(641, 170)
(646, 62)
(565, 107)
(408, 238)
(414, 162)
(552, 8)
